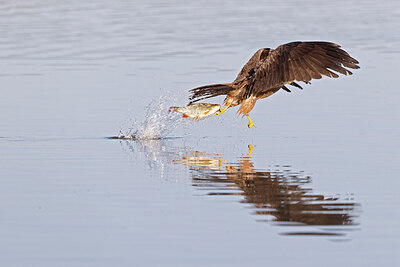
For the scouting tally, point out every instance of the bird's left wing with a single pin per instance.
(253, 64)
(300, 61)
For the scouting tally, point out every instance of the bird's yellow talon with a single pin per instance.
(250, 122)
(223, 110)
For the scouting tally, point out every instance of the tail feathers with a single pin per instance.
(208, 91)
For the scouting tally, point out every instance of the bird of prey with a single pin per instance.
(270, 70)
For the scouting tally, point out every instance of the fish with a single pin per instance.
(197, 111)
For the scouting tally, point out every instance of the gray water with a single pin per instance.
(315, 182)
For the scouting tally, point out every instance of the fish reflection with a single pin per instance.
(280, 196)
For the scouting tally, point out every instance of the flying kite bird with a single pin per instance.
(270, 70)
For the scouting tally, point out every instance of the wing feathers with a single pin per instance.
(314, 73)
(300, 61)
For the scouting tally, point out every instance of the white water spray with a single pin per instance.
(157, 124)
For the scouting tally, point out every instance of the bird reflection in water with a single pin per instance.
(280, 196)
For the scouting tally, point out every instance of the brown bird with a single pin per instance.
(270, 70)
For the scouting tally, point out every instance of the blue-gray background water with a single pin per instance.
(315, 182)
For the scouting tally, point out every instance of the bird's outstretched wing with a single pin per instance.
(300, 61)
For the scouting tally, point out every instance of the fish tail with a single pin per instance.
(173, 109)
(208, 91)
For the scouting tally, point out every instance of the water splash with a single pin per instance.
(157, 124)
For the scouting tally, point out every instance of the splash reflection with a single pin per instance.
(280, 196)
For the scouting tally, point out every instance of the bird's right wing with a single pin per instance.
(300, 61)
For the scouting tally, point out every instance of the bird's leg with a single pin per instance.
(223, 110)
(250, 125)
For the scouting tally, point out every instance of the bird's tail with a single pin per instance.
(208, 91)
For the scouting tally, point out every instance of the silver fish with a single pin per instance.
(197, 111)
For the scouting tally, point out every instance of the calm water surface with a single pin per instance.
(315, 182)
